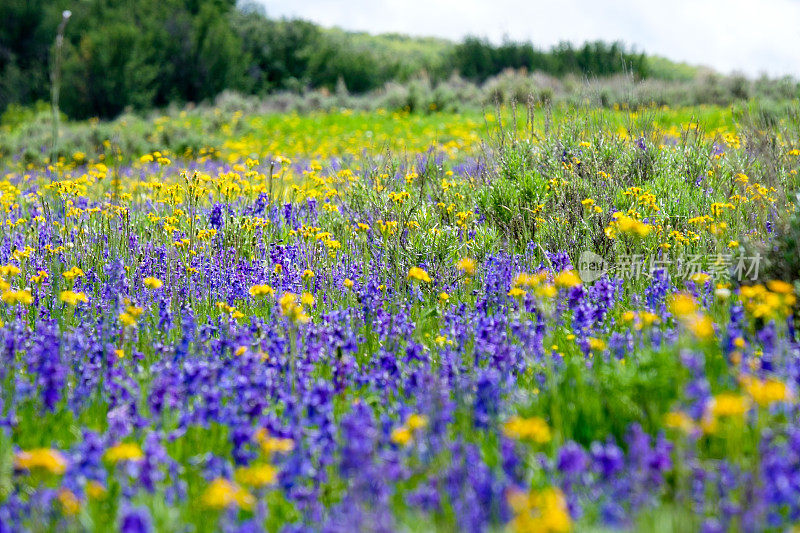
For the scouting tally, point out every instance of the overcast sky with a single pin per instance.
(750, 36)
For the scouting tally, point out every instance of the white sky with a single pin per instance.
(750, 36)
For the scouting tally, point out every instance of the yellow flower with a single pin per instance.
(69, 502)
(596, 345)
(516, 292)
(40, 276)
(443, 297)
(308, 274)
(225, 308)
(22, 297)
(152, 283)
(270, 445)
(307, 299)
(127, 320)
(416, 421)
(9, 271)
(567, 279)
(257, 475)
(467, 266)
(627, 225)
(221, 494)
(780, 287)
(48, 459)
(679, 420)
(534, 429)
(418, 274)
(124, 451)
(240, 351)
(73, 298)
(728, 404)
(95, 490)
(702, 326)
(73, 273)
(543, 511)
(766, 392)
(348, 283)
(291, 309)
(261, 290)
(547, 291)
(682, 305)
(401, 435)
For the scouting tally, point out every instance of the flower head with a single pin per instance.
(20, 297)
(257, 291)
(467, 266)
(124, 451)
(418, 274)
(257, 476)
(221, 494)
(152, 283)
(46, 459)
(73, 298)
(534, 429)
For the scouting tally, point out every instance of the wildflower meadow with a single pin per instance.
(541, 318)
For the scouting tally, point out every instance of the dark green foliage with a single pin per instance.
(121, 55)
(477, 59)
(124, 55)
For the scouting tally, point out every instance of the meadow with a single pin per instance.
(215, 319)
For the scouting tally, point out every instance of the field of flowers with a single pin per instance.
(387, 322)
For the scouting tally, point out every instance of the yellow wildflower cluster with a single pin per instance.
(418, 274)
(771, 302)
(538, 283)
(73, 298)
(257, 291)
(222, 494)
(230, 310)
(152, 283)
(257, 475)
(542, 511)
(404, 434)
(685, 309)
(567, 279)
(44, 459)
(270, 445)
(467, 266)
(70, 503)
(591, 205)
(534, 429)
(644, 199)
(767, 391)
(292, 309)
(19, 297)
(680, 421)
(626, 225)
(641, 319)
(124, 451)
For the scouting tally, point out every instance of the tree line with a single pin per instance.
(140, 54)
